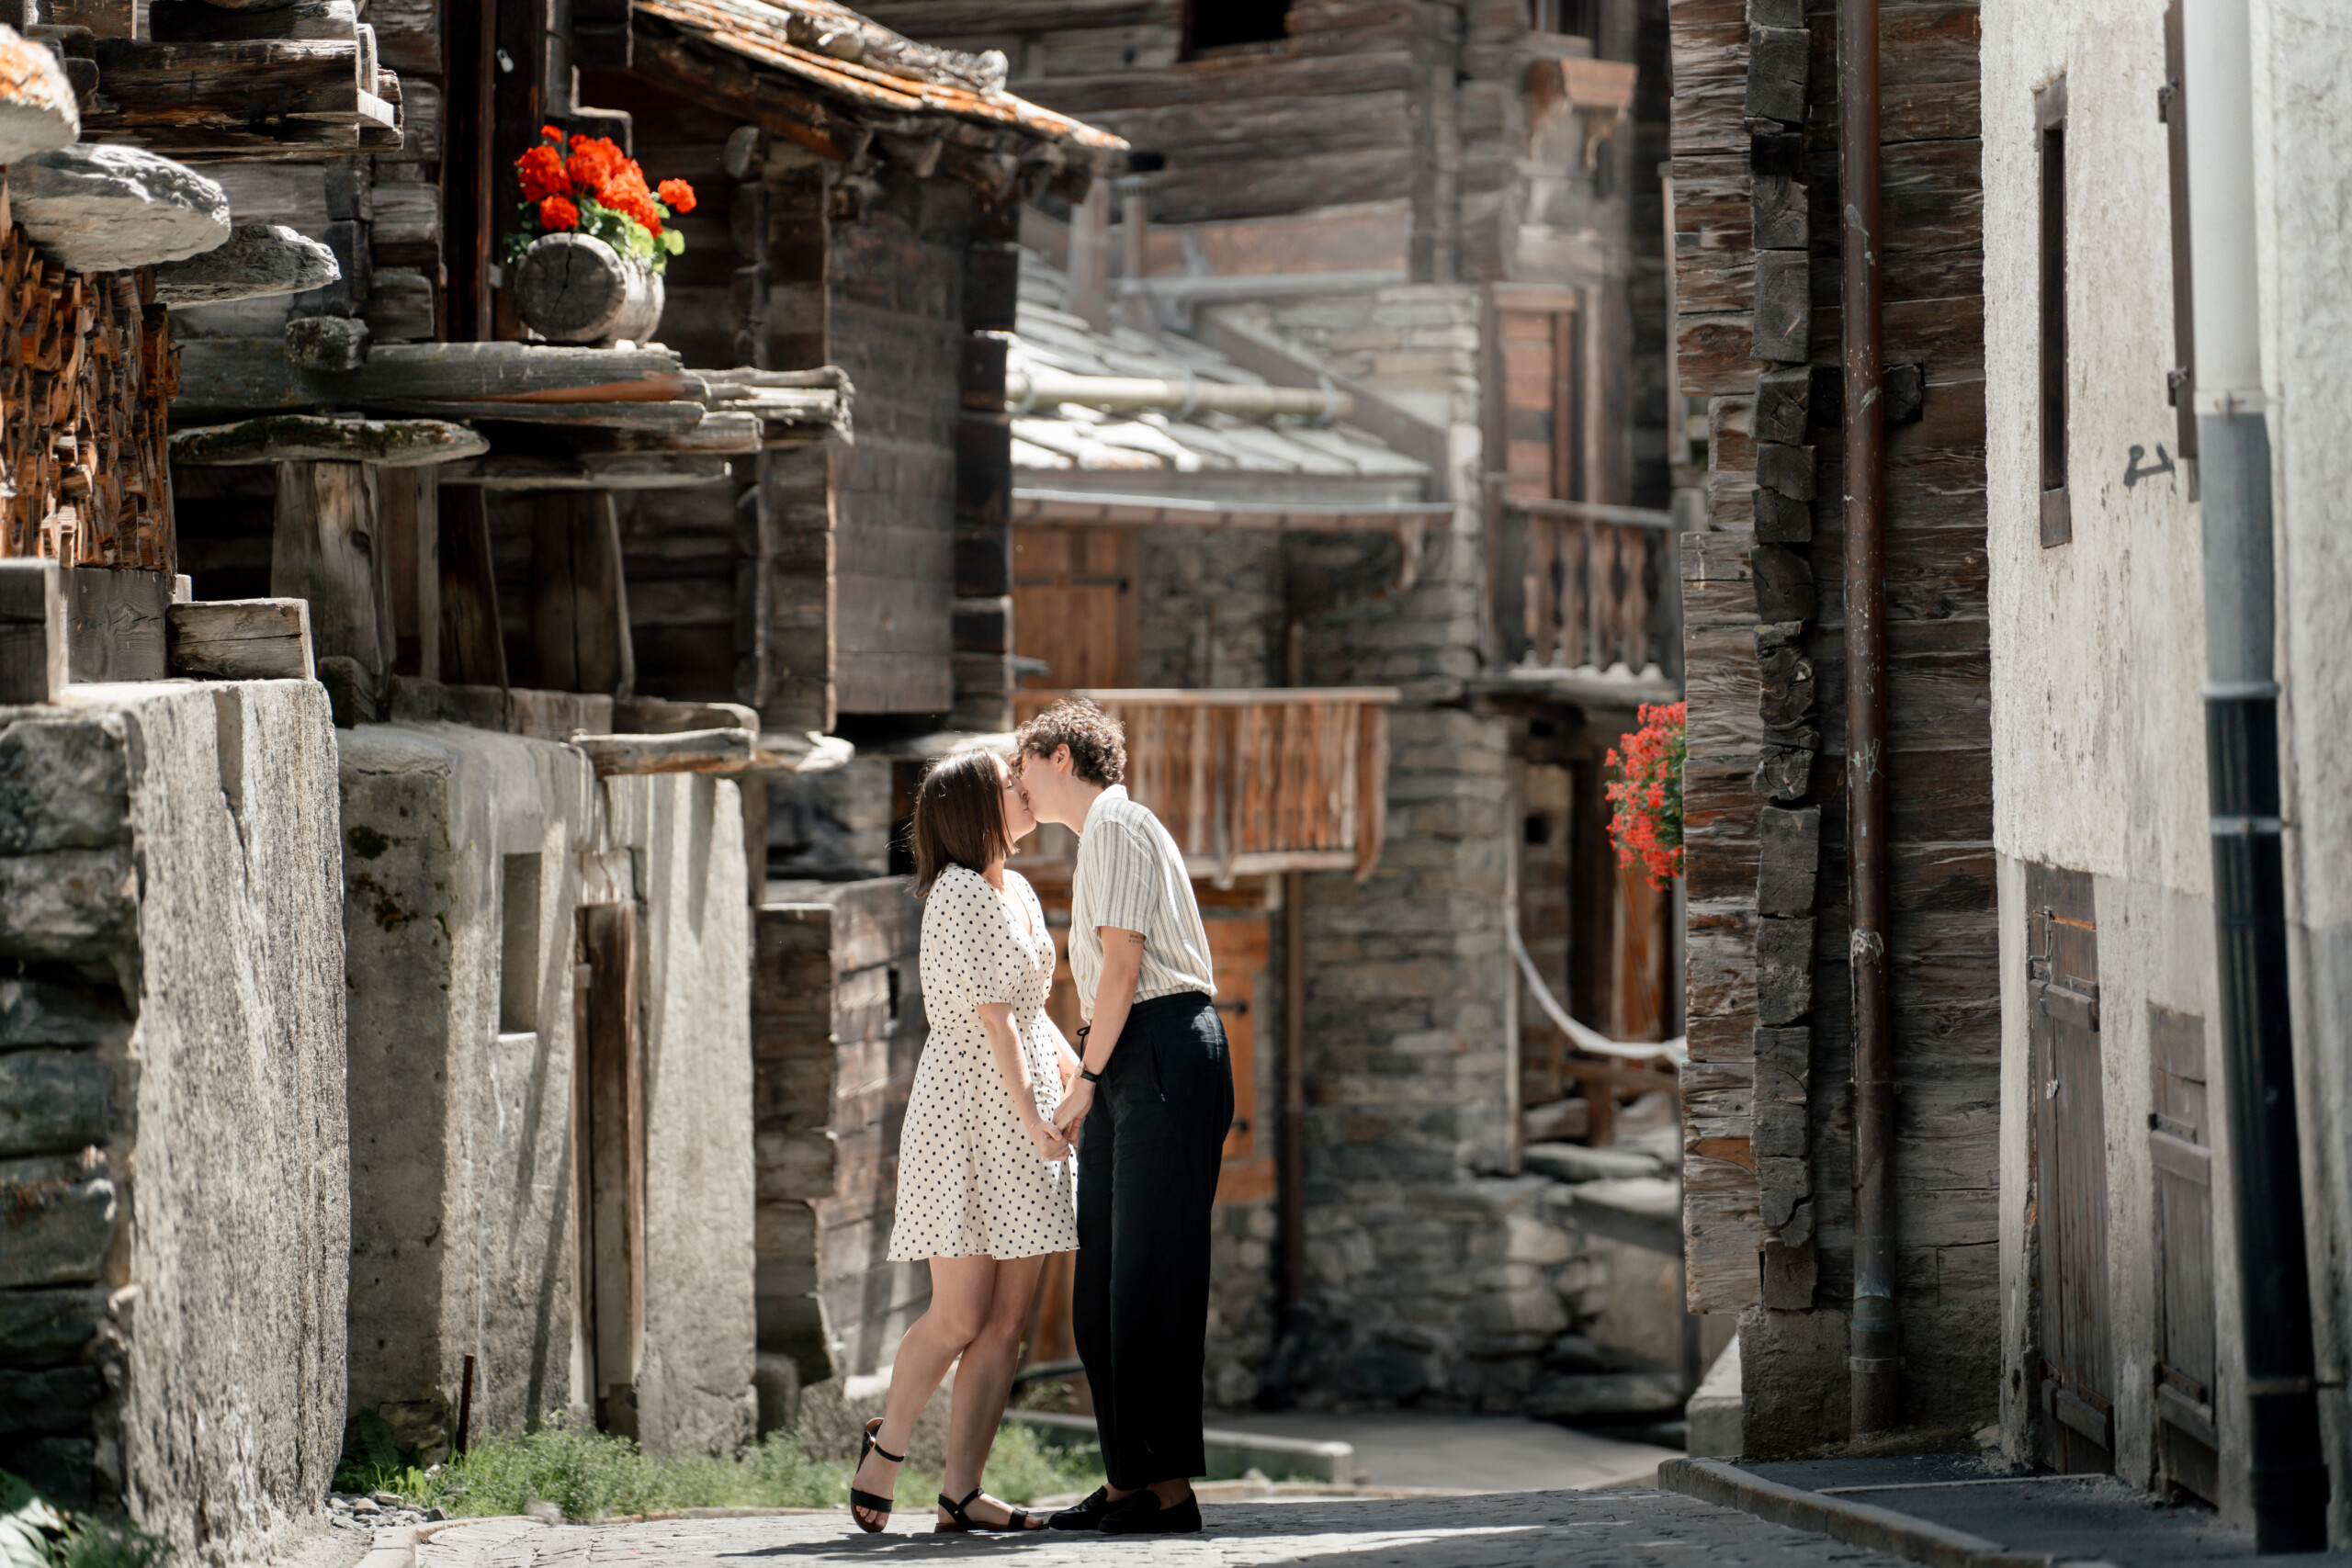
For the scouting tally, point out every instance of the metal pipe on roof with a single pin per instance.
(2285, 1465)
(1028, 390)
(1873, 1355)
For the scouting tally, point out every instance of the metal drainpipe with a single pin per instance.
(2288, 1479)
(1872, 1355)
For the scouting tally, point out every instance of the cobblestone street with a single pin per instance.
(1513, 1530)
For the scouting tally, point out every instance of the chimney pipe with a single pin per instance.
(1090, 257)
(1135, 307)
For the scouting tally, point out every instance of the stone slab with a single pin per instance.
(37, 112)
(37, 1012)
(41, 1328)
(110, 208)
(53, 1100)
(259, 261)
(63, 786)
(57, 1221)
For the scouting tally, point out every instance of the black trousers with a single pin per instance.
(1148, 1160)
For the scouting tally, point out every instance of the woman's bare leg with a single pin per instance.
(984, 1382)
(961, 1289)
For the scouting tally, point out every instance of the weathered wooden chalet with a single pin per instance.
(1806, 778)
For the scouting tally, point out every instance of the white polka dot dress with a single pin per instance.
(970, 1182)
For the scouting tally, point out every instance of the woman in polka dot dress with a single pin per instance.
(985, 1180)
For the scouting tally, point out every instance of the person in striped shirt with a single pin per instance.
(1148, 1112)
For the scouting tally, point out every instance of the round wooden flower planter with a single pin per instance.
(576, 289)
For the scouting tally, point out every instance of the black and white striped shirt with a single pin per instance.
(1131, 876)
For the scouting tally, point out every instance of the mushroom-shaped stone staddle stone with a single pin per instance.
(104, 208)
(260, 259)
(36, 109)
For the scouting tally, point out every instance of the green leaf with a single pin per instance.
(673, 242)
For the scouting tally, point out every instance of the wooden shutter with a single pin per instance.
(2070, 1171)
(2181, 1154)
(1074, 605)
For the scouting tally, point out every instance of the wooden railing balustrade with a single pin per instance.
(1598, 584)
(1252, 782)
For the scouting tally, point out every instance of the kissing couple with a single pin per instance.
(1002, 1104)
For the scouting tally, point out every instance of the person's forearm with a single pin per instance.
(1005, 1047)
(1114, 996)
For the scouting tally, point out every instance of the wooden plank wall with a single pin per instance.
(1946, 1022)
(895, 322)
(837, 1027)
(1336, 116)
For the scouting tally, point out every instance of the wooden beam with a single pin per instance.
(691, 751)
(235, 374)
(319, 438)
(115, 623)
(408, 502)
(473, 650)
(239, 639)
(580, 630)
(599, 471)
(32, 631)
(325, 547)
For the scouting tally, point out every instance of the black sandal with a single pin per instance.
(867, 1500)
(1015, 1519)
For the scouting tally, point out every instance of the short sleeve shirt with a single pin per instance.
(1131, 875)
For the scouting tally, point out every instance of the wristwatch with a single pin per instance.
(1088, 1074)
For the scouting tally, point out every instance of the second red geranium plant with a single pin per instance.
(587, 184)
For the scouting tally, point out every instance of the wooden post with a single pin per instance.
(325, 549)
(114, 622)
(32, 631)
(409, 502)
(580, 634)
(615, 1159)
(473, 650)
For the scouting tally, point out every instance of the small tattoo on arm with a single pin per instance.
(1135, 937)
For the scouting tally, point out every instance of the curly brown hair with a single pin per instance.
(1097, 742)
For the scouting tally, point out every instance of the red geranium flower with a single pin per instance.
(595, 161)
(1646, 824)
(541, 170)
(678, 196)
(553, 133)
(557, 212)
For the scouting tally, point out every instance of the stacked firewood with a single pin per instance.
(88, 370)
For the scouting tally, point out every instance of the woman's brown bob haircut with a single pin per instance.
(959, 817)
(1097, 742)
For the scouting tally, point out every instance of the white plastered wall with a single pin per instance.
(2099, 645)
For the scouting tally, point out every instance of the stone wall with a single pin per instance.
(683, 837)
(172, 1133)
(468, 854)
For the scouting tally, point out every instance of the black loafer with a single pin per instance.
(1143, 1515)
(1082, 1516)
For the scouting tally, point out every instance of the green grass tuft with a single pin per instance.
(593, 1475)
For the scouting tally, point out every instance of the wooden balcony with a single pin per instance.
(1598, 584)
(1254, 782)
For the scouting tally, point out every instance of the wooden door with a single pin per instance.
(2181, 1153)
(2070, 1171)
(1074, 605)
(1238, 948)
(608, 1159)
